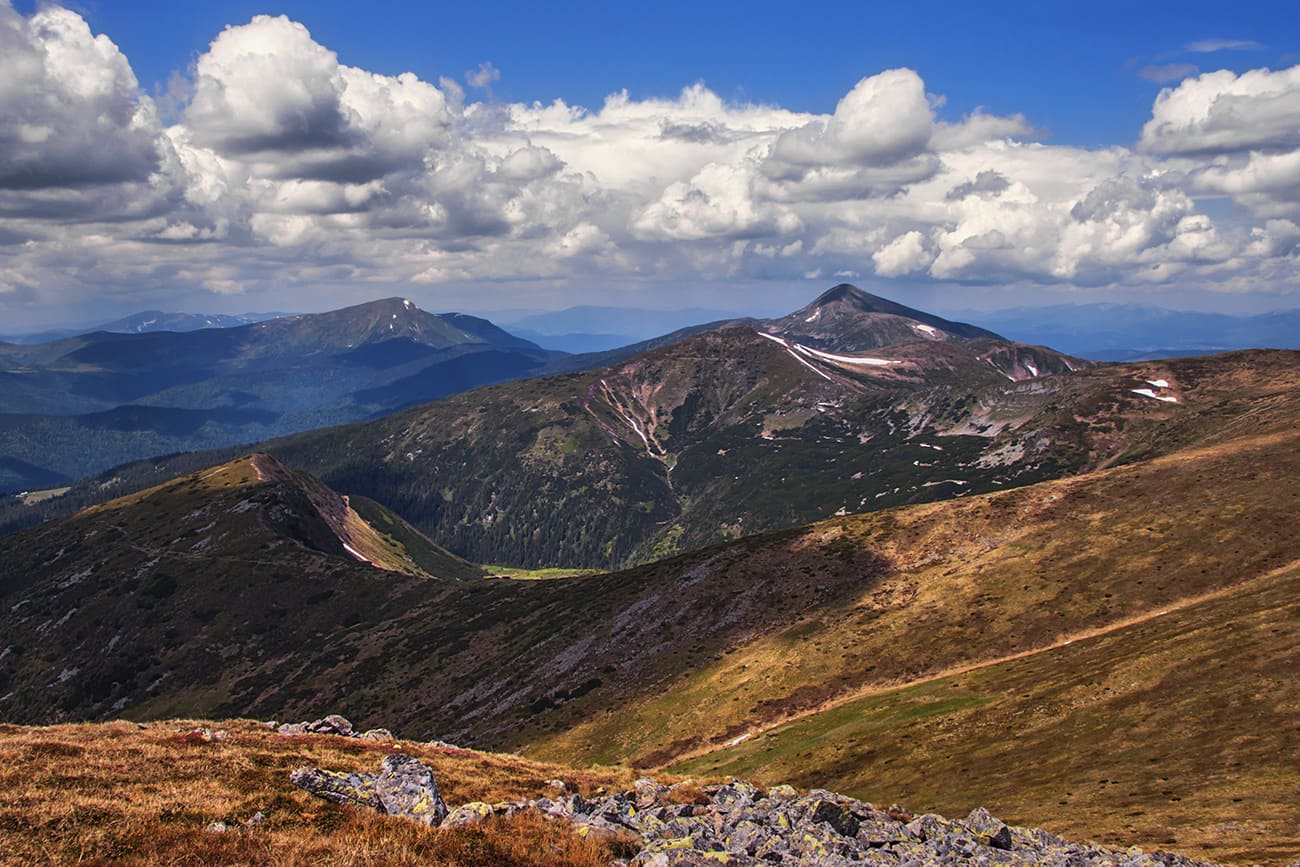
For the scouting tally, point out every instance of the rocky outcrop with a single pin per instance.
(736, 823)
(403, 787)
(741, 824)
(334, 724)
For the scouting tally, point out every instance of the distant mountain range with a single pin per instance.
(146, 321)
(1123, 332)
(75, 406)
(596, 329)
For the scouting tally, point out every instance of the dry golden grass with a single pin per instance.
(144, 794)
(972, 582)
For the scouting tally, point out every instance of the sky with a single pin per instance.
(241, 156)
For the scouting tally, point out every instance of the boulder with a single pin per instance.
(405, 787)
(357, 790)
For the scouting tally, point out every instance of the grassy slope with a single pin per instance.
(1178, 730)
(739, 437)
(393, 535)
(973, 580)
(143, 794)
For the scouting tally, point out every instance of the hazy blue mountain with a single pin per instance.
(598, 329)
(81, 404)
(1124, 332)
(146, 321)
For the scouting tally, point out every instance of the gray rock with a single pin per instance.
(405, 787)
(357, 790)
(332, 725)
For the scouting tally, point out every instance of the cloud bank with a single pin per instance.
(288, 169)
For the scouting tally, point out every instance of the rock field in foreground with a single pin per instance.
(737, 823)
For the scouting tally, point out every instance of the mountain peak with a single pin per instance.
(844, 292)
(845, 317)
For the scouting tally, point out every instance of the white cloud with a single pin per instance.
(884, 119)
(903, 255)
(286, 167)
(1206, 46)
(1222, 112)
(483, 76)
(72, 112)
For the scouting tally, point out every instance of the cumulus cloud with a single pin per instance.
(903, 255)
(284, 166)
(73, 115)
(1222, 112)
(884, 119)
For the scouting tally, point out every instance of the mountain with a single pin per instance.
(1031, 642)
(844, 318)
(80, 405)
(725, 433)
(733, 432)
(227, 557)
(158, 320)
(1128, 332)
(149, 320)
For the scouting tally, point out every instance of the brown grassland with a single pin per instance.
(129, 793)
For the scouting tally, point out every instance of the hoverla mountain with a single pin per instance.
(79, 405)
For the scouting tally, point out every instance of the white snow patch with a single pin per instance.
(816, 313)
(1158, 383)
(845, 359)
(1033, 371)
(406, 302)
(945, 482)
(1146, 392)
(926, 329)
(737, 741)
(355, 553)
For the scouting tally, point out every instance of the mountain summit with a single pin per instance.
(377, 322)
(845, 318)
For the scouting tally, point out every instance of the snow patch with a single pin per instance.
(926, 329)
(1146, 392)
(355, 553)
(1033, 371)
(816, 313)
(1158, 383)
(406, 302)
(845, 359)
(737, 741)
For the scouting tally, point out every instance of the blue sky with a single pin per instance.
(958, 155)
(1073, 68)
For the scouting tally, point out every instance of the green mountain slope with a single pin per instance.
(732, 432)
